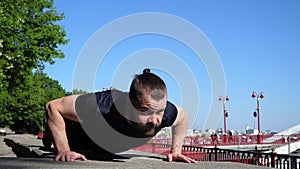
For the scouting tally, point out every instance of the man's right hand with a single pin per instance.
(69, 156)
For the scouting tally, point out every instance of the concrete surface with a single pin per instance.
(31, 155)
(5, 151)
(6, 131)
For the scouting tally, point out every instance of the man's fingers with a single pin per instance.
(190, 160)
(57, 158)
(180, 157)
(185, 158)
(82, 157)
(193, 161)
(70, 156)
(62, 157)
(170, 157)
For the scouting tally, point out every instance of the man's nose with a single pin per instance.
(154, 119)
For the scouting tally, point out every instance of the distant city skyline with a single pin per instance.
(257, 43)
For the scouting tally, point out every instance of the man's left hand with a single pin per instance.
(180, 157)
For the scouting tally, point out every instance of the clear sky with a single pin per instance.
(257, 43)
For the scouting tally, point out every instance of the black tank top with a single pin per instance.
(111, 101)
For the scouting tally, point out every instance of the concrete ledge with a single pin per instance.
(6, 131)
(31, 154)
(27, 146)
(19, 149)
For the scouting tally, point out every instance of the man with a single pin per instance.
(116, 121)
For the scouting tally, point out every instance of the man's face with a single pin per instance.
(148, 114)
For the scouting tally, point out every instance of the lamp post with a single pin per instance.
(258, 98)
(225, 113)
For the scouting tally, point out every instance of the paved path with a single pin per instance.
(130, 159)
(5, 151)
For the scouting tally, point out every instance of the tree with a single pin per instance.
(28, 107)
(77, 91)
(29, 38)
(6, 117)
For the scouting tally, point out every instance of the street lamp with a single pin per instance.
(258, 98)
(225, 113)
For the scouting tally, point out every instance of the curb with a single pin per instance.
(24, 150)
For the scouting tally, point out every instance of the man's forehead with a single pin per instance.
(154, 104)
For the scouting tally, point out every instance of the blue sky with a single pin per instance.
(257, 42)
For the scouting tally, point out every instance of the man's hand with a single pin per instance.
(180, 157)
(179, 129)
(69, 156)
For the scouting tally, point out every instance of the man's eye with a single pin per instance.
(159, 112)
(146, 112)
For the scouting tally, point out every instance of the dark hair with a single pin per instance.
(147, 83)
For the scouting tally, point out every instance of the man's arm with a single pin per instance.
(179, 129)
(56, 111)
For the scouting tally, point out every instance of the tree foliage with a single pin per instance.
(23, 108)
(77, 91)
(30, 37)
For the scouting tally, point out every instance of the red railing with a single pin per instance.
(233, 140)
(216, 154)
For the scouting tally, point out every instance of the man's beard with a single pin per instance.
(145, 130)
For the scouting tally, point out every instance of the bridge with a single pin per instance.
(283, 134)
(289, 136)
(285, 142)
(273, 151)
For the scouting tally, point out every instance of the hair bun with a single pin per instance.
(145, 71)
